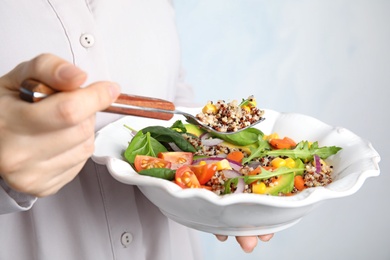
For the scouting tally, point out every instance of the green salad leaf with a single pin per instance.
(245, 137)
(143, 144)
(162, 173)
(247, 101)
(178, 126)
(262, 146)
(168, 135)
(305, 151)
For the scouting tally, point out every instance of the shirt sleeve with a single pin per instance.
(13, 201)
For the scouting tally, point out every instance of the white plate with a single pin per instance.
(243, 214)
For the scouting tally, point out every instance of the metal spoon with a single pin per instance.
(34, 91)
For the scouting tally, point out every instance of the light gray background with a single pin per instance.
(327, 59)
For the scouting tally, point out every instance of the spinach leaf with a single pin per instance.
(178, 126)
(143, 144)
(162, 173)
(167, 135)
(245, 137)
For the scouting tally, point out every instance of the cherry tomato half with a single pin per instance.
(142, 162)
(186, 178)
(204, 172)
(177, 159)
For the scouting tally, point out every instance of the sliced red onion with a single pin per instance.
(234, 174)
(231, 173)
(254, 164)
(174, 147)
(207, 140)
(221, 155)
(235, 165)
(211, 141)
(205, 135)
(317, 163)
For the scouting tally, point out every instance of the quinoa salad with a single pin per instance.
(312, 175)
(248, 161)
(230, 116)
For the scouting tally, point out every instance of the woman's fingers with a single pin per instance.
(221, 238)
(266, 238)
(45, 177)
(247, 243)
(43, 145)
(49, 69)
(60, 110)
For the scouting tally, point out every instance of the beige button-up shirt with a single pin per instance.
(134, 43)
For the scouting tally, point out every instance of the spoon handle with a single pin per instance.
(34, 91)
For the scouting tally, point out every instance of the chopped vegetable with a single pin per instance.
(143, 144)
(204, 172)
(299, 183)
(317, 163)
(236, 156)
(162, 173)
(245, 162)
(259, 187)
(177, 159)
(164, 134)
(143, 162)
(186, 178)
(285, 143)
(223, 165)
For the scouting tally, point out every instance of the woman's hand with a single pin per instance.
(44, 145)
(247, 243)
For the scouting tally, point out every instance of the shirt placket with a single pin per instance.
(85, 42)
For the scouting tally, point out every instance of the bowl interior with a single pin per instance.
(244, 214)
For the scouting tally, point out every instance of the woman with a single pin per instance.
(55, 203)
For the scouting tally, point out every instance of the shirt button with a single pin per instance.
(126, 239)
(87, 40)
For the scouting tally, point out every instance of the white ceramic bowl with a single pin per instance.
(244, 214)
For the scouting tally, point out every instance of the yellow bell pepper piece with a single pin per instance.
(223, 165)
(246, 108)
(290, 163)
(259, 187)
(202, 163)
(278, 162)
(271, 136)
(209, 109)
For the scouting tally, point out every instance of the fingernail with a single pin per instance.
(68, 71)
(115, 90)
